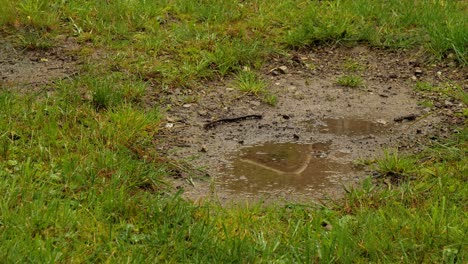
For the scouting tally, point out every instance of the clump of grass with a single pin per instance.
(351, 80)
(351, 65)
(249, 82)
(270, 99)
(395, 166)
(425, 86)
(426, 103)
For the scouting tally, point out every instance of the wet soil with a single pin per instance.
(276, 156)
(30, 70)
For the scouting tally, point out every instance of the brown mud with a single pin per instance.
(273, 157)
(31, 70)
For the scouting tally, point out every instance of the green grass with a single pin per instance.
(351, 65)
(351, 80)
(249, 82)
(82, 181)
(176, 43)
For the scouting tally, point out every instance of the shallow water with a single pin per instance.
(296, 168)
(350, 127)
(282, 168)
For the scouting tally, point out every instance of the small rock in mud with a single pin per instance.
(409, 117)
(255, 103)
(279, 70)
(382, 121)
(418, 72)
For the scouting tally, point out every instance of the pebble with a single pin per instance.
(255, 103)
(448, 103)
(382, 121)
(187, 105)
(283, 69)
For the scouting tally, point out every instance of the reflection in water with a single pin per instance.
(285, 167)
(351, 127)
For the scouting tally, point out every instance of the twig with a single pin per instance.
(213, 124)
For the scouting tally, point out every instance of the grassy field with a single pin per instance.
(81, 180)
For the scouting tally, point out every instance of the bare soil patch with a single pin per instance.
(312, 110)
(28, 70)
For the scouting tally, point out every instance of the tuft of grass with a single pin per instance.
(395, 166)
(248, 81)
(351, 65)
(33, 40)
(352, 81)
(425, 86)
(270, 99)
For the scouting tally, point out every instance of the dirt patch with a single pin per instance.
(354, 123)
(29, 70)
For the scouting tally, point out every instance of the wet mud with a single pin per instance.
(29, 70)
(306, 146)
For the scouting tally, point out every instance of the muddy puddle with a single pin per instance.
(282, 154)
(350, 127)
(276, 168)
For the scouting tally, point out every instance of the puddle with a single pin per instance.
(283, 168)
(350, 127)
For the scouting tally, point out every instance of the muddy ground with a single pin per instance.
(308, 145)
(32, 70)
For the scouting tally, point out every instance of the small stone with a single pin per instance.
(414, 78)
(202, 112)
(382, 121)
(274, 72)
(327, 226)
(448, 103)
(169, 125)
(187, 105)
(203, 149)
(279, 70)
(255, 103)
(418, 72)
(439, 74)
(283, 69)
